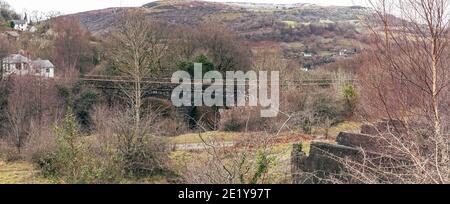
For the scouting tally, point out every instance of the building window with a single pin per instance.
(18, 66)
(47, 70)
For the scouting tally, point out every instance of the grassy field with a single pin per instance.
(222, 17)
(280, 151)
(25, 173)
(278, 170)
(291, 24)
(20, 173)
(208, 136)
(293, 45)
(335, 130)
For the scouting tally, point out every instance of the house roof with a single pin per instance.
(33, 29)
(19, 22)
(42, 64)
(16, 58)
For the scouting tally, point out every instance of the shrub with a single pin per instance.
(82, 107)
(326, 107)
(244, 119)
(140, 154)
(73, 161)
(312, 108)
(4, 92)
(306, 126)
(205, 117)
(82, 99)
(294, 100)
(188, 66)
(144, 159)
(350, 98)
(263, 163)
(69, 159)
(47, 162)
(131, 156)
(11, 155)
(232, 123)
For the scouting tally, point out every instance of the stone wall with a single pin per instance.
(357, 140)
(320, 164)
(323, 159)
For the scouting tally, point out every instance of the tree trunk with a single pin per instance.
(1, 69)
(435, 96)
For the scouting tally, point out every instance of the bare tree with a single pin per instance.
(226, 49)
(5, 49)
(406, 81)
(137, 49)
(37, 16)
(32, 107)
(6, 13)
(19, 113)
(223, 46)
(71, 46)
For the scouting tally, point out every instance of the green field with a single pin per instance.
(291, 24)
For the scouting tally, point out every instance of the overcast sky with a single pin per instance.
(73, 6)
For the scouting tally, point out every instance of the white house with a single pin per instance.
(16, 64)
(33, 29)
(343, 52)
(43, 68)
(307, 54)
(20, 65)
(21, 25)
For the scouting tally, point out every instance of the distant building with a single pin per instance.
(43, 68)
(20, 65)
(347, 52)
(307, 54)
(33, 29)
(21, 25)
(307, 67)
(16, 64)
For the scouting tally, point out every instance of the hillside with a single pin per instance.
(6, 15)
(317, 32)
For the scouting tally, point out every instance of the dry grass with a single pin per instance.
(347, 42)
(279, 153)
(195, 138)
(278, 172)
(150, 180)
(333, 132)
(291, 24)
(20, 173)
(280, 150)
(25, 173)
(280, 168)
(221, 17)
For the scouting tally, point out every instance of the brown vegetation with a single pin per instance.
(406, 81)
(77, 132)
